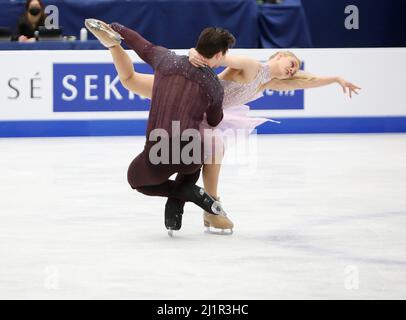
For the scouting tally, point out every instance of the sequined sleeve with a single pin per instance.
(147, 51)
(215, 94)
(215, 111)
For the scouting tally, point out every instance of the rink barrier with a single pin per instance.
(137, 127)
(73, 93)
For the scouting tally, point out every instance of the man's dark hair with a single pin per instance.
(213, 40)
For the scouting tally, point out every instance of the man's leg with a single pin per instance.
(172, 188)
(184, 188)
(174, 207)
(185, 192)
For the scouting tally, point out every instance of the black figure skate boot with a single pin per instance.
(173, 215)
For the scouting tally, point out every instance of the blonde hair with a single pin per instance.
(299, 76)
(287, 53)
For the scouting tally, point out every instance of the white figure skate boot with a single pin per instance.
(103, 32)
(218, 223)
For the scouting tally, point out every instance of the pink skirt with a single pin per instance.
(236, 123)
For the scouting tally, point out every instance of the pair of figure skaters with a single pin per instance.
(186, 92)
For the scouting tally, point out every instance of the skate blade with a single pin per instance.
(170, 233)
(96, 25)
(219, 232)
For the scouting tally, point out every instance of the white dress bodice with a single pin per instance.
(236, 93)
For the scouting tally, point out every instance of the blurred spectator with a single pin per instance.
(30, 20)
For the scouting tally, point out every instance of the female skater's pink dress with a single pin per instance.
(236, 113)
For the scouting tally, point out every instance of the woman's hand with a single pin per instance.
(22, 38)
(196, 58)
(352, 88)
(26, 39)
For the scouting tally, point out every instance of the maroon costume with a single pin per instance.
(181, 92)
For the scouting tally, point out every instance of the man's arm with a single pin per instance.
(214, 113)
(147, 51)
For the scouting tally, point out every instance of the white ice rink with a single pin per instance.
(324, 216)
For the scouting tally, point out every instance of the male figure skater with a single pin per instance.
(182, 94)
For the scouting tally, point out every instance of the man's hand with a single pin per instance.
(352, 88)
(196, 58)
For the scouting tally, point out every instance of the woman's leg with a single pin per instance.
(122, 62)
(138, 83)
(212, 167)
(211, 174)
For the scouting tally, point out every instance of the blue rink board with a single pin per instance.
(72, 128)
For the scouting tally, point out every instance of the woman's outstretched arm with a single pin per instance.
(136, 82)
(304, 80)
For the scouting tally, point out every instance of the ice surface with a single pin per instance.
(322, 216)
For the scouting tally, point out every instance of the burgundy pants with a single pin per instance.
(153, 179)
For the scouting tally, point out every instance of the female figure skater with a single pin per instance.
(244, 80)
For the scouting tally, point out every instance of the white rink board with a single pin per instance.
(380, 72)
